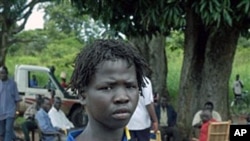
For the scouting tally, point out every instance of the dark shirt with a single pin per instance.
(172, 115)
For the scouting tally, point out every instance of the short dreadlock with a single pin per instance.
(103, 50)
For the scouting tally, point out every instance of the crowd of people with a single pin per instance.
(112, 81)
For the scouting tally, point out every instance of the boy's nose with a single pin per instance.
(121, 96)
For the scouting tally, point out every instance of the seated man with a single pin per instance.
(49, 132)
(57, 116)
(197, 122)
(168, 121)
(29, 124)
(206, 117)
(209, 106)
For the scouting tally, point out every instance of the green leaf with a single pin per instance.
(247, 7)
(227, 17)
(216, 3)
(210, 7)
(203, 5)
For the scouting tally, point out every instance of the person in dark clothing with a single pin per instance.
(157, 105)
(30, 124)
(168, 121)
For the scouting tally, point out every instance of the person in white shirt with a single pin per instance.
(58, 117)
(140, 122)
(237, 86)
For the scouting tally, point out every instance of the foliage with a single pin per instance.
(175, 40)
(216, 13)
(35, 41)
(58, 52)
(135, 17)
(148, 17)
(241, 65)
(58, 43)
(63, 17)
(13, 17)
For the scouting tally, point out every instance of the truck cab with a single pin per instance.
(33, 80)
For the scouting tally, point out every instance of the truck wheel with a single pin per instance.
(78, 117)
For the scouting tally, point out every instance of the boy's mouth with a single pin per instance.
(121, 114)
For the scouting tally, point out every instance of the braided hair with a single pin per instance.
(105, 50)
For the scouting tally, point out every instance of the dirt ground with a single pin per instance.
(239, 119)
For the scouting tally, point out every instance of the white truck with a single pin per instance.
(70, 102)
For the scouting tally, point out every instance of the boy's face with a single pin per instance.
(112, 94)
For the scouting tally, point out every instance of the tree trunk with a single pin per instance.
(3, 48)
(207, 65)
(153, 50)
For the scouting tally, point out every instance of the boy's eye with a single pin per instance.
(106, 88)
(131, 86)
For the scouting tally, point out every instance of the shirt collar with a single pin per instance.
(72, 135)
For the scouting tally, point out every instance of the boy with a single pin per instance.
(108, 75)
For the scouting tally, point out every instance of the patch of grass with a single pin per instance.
(241, 65)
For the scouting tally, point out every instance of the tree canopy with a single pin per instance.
(13, 17)
(148, 17)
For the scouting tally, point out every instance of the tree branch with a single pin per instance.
(25, 17)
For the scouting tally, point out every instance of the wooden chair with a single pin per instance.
(219, 131)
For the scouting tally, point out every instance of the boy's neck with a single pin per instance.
(100, 134)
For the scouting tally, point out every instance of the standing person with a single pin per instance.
(157, 105)
(9, 99)
(50, 85)
(57, 116)
(237, 86)
(140, 123)
(107, 76)
(63, 80)
(30, 124)
(168, 120)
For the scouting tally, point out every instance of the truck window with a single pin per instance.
(38, 79)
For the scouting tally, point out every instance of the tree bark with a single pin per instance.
(3, 48)
(207, 65)
(153, 50)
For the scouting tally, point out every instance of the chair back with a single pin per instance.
(219, 131)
